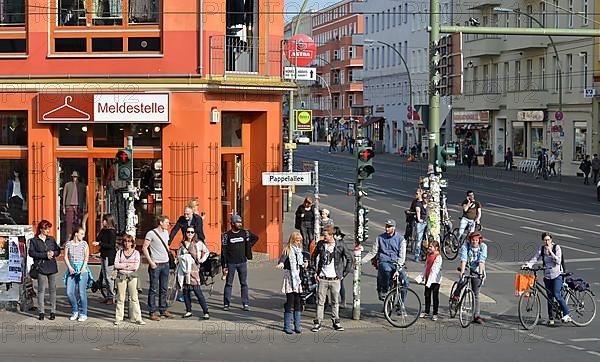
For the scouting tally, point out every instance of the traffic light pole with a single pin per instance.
(131, 216)
(357, 249)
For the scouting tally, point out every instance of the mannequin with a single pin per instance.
(16, 194)
(74, 201)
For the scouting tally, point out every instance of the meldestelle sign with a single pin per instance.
(103, 108)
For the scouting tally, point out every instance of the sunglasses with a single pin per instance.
(190, 232)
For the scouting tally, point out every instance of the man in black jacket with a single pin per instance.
(188, 218)
(332, 260)
(236, 250)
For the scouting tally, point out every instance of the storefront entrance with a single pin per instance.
(72, 190)
(232, 190)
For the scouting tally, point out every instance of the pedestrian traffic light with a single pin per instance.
(444, 158)
(125, 164)
(364, 166)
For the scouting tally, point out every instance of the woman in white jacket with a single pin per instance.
(432, 277)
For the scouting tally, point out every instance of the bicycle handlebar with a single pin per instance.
(533, 269)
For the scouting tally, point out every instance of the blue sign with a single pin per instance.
(562, 133)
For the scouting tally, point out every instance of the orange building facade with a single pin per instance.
(196, 84)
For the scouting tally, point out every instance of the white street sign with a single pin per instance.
(286, 178)
(300, 73)
(589, 93)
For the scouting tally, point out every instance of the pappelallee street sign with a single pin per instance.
(286, 178)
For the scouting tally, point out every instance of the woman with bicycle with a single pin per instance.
(107, 239)
(127, 263)
(192, 252)
(473, 254)
(551, 256)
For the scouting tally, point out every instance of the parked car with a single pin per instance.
(302, 139)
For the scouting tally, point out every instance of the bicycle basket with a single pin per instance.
(522, 283)
(578, 285)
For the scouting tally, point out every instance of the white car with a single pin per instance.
(303, 140)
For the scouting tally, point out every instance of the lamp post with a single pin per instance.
(560, 85)
(330, 105)
(410, 92)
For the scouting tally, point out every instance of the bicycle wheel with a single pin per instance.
(402, 313)
(452, 304)
(582, 307)
(172, 288)
(450, 246)
(466, 309)
(529, 309)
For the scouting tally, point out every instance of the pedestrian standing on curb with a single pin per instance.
(191, 254)
(390, 249)
(291, 262)
(596, 168)
(508, 159)
(107, 240)
(305, 222)
(44, 250)
(236, 250)
(552, 164)
(470, 156)
(586, 167)
(332, 260)
(326, 221)
(127, 263)
(431, 276)
(156, 251)
(77, 276)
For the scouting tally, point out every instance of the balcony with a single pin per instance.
(522, 42)
(482, 45)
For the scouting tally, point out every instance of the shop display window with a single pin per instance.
(231, 130)
(109, 135)
(13, 179)
(519, 141)
(146, 135)
(537, 141)
(72, 135)
(579, 141)
(12, 12)
(14, 128)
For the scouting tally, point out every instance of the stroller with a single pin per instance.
(309, 283)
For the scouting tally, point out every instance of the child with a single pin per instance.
(432, 277)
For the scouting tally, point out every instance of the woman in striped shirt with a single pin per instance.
(77, 276)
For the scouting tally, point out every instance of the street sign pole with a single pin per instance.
(131, 216)
(316, 208)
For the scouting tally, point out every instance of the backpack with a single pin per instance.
(562, 257)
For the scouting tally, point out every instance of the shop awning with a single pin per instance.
(471, 126)
(372, 120)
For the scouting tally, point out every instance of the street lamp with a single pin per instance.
(410, 92)
(560, 85)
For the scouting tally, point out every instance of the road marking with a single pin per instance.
(594, 353)
(446, 286)
(401, 192)
(580, 250)
(585, 340)
(507, 207)
(580, 260)
(582, 269)
(575, 347)
(369, 198)
(497, 231)
(399, 206)
(542, 222)
(340, 190)
(377, 192)
(555, 234)
(555, 341)
(377, 210)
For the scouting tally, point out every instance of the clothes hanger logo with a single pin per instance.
(66, 112)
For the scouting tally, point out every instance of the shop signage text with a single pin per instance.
(286, 178)
(103, 108)
(530, 116)
(468, 117)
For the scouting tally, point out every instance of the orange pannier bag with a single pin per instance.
(522, 283)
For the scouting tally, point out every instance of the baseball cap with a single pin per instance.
(236, 218)
(391, 222)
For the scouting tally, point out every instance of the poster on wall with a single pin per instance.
(11, 269)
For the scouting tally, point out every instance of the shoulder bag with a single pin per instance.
(172, 264)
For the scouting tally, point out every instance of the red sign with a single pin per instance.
(300, 50)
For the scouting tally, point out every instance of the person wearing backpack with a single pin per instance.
(554, 266)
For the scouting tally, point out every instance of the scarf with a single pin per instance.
(430, 260)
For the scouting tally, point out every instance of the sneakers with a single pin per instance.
(41, 316)
(567, 319)
(424, 315)
(187, 315)
(226, 308)
(74, 317)
(141, 322)
(316, 327)
(478, 320)
(551, 323)
(337, 326)
(206, 316)
(180, 298)
(82, 318)
(116, 323)
(154, 317)
(167, 314)
(246, 307)
(381, 297)
(52, 316)
(434, 317)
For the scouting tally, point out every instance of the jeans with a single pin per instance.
(46, 281)
(106, 271)
(554, 286)
(435, 291)
(307, 230)
(242, 269)
(159, 280)
(596, 174)
(329, 288)
(124, 286)
(420, 234)
(384, 276)
(78, 282)
(187, 298)
(475, 286)
(463, 225)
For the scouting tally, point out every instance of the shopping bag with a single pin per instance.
(522, 283)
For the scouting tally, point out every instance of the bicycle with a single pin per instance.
(172, 287)
(401, 307)
(579, 303)
(464, 305)
(451, 243)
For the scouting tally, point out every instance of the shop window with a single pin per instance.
(71, 13)
(14, 128)
(109, 135)
(13, 45)
(518, 139)
(72, 135)
(12, 13)
(537, 140)
(579, 141)
(13, 178)
(144, 11)
(231, 130)
(146, 135)
(70, 45)
(107, 45)
(107, 12)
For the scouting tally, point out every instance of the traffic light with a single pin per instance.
(125, 163)
(364, 166)
(362, 227)
(444, 158)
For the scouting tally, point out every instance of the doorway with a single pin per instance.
(72, 189)
(232, 190)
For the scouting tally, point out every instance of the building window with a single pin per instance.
(506, 77)
(570, 71)
(543, 13)
(13, 36)
(570, 13)
(475, 85)
(372, 23)
(557, 73)
(518, 12)
(518, 129)
(231, 130)
(14, 128)
(529, 74)
(579, 140)
(146, 134)
(351, 54)
(350, 100)
(496, 78)
(486, 79)
(405, 13)
(529, 19)
(537, 140)
(72, 134)
(556, 14)
(585, 12)
(336, 102)
(14, 177)
(542, 73)
(350, 75)
(584, 61)
(12, 13)
(109, 135)
(517, 75)
(388, 18)
(394, 17)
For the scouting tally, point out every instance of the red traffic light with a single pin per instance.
(122, 156)
(366, 154)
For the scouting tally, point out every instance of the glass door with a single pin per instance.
(232, 192)
(72, 188)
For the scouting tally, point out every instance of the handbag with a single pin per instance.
(34, 271)
(172, 264)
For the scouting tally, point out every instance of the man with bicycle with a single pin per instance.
(471, 214)
(473, 254)
(390, 249)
